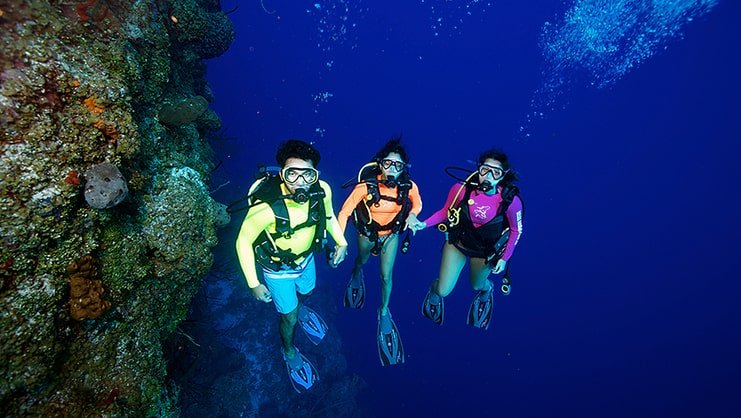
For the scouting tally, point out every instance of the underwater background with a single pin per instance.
(624, 299)
(620, 117)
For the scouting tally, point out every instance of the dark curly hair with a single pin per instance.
(499, 155)
(295, 148)
(393, 145)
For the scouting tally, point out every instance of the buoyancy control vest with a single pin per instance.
(267, 189)
(487, 241)
(362, 217)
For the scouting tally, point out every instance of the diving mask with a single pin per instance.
(308, 174)
(496, 172)
(387, 163)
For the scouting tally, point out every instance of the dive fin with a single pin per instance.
(479, 315)
(432, 307)
(301, 372)
(355, 293)
(390, 347)
(312, 324)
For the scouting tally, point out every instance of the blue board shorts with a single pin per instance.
(284, 284)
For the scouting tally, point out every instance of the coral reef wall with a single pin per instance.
(106, 219)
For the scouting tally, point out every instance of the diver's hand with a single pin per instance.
(414, 224)
(499, 267)
(418, 226)
(340, 251)
(262, 293)
(410, 222)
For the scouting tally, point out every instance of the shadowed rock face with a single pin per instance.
(183, 111)
(228, 357)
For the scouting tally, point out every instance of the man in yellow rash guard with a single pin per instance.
(283, 245)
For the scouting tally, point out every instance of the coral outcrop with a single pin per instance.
(202, 27)
(85, 290)
(81, 83)
(105, 186)
(221, 214)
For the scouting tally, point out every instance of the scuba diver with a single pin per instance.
(384, 202)
(288, 216)
(482, 222)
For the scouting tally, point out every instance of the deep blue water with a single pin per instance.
(626, 279)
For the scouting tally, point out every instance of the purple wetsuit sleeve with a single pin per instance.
(514, 217)
(442, 214)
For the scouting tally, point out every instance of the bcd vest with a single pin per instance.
(362, 218)
(487, 241)
(267, 253)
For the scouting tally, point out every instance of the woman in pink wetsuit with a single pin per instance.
(482, 219)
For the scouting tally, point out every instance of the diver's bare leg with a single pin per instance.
(451, 266)
(388, 258)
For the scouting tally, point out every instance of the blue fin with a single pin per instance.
(390, 347)
(432, 307)
(355, 293)
(301, 372)
(312, 324)
(479, 314)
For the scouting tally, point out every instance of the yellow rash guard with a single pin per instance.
(260, 218)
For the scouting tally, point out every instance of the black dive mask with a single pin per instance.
(301, 196)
